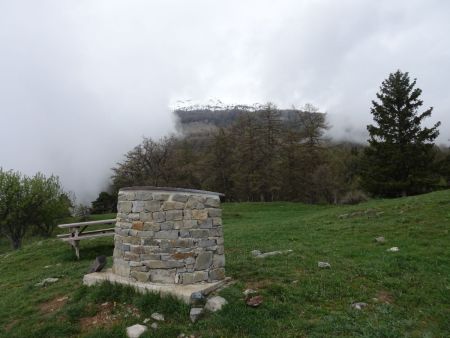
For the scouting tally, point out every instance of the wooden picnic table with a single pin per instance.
(77, 232)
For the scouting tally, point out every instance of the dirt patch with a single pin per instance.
(10, 325)
(108, 315)
(384, 297)
(53, 305)
(261, 284)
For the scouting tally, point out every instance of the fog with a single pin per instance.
(81, 82)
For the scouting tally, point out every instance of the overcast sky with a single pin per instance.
(81, 82)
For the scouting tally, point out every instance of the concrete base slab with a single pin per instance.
(182, 292)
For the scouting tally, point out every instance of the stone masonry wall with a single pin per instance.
(173, 237)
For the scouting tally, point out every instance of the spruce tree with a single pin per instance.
(399, 159)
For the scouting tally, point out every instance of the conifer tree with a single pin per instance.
(399, 159)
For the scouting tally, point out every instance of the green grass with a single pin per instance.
(299, 298)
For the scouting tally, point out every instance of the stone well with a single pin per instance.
(169, 236)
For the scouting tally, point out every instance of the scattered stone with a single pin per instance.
(215, 303)
(146, 320)
(98, 265)
(324, 265)
(197, 297)
(47, 266)
(136, 330)
(359, 305)
(380, 240)
(271, 253)
(154, 326)
(294, 281)
(393, 249)
(248, 292)
(157, 316)
(255, 253)
(255, 301)
(181, 335)
(47, 281)
(195, 314)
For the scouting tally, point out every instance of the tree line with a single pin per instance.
(259, 157)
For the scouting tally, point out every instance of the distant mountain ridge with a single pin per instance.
(206, 118)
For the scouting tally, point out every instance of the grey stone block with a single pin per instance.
(218, 261)
(124, 206)
(184, 233)
(203, 261)
(162, 276)
(161, 197)
(217, 221)
(171, 205)
(216, 274)
(212, 212)
(199, 233)
(213, 202)
(138, 206)
(187, 214)
(152, 206)
(206, 242)
(146, 216)
(174, 215)
(159, 217)
(167, 225)
(166, 234)
(151, 226)
(192, 277)
(121, 267)
(140, 276)
(206, 224)
(180, 198)
(160, 264)
(143, 195)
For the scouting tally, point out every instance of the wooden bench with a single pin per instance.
(77, 232)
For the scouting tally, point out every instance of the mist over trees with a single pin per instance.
(258, 157)
(268, 154)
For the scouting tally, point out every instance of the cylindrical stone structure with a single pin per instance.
(169, 236)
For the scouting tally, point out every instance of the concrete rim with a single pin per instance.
(169, 189)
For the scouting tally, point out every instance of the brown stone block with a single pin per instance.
(138, 225)
(200, 215)
(182, 255)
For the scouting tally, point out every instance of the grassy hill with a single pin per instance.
(407, 292)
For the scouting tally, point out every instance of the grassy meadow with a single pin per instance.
(407, 292)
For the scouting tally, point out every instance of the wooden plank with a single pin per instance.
(87, 232)
(68, 239)
(81, 224)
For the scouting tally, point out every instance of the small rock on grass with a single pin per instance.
(154, 326)
(359, 305)
(146, 320)
(215, 303)
(272, 253)
(47, 281)
(195, 314)
(393, 249)
(324, 265)
(380, 239)
(136, 330)
(256, 253)
(255, 301)
(157, 316)
(248, 292)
